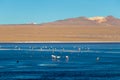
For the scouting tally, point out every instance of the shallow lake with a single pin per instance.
(59, 61)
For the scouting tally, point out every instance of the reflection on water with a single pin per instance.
(88, 61)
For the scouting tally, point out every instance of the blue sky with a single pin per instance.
(40, 11)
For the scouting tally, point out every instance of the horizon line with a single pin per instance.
(34, 23)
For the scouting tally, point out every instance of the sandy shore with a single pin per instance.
(62, 42)
(59, 33)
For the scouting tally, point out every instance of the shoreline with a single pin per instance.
(59, 41)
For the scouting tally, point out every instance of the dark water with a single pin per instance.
(85, 61)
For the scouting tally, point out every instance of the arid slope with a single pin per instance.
(74, 29)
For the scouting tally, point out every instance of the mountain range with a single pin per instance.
(92, 21)
(72, 29)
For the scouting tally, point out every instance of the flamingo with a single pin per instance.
(97, 58)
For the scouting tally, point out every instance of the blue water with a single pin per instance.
(86, 61)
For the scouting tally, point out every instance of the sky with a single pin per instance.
(42, 11)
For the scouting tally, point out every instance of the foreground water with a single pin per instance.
(78, 61)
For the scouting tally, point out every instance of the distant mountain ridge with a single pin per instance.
(73, 29)
(84, 21)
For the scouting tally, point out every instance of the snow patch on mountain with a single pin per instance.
(98, 19)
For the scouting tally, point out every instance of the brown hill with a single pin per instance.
(73, 29)
(113, 21)
(83, 21)
(74, 21)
